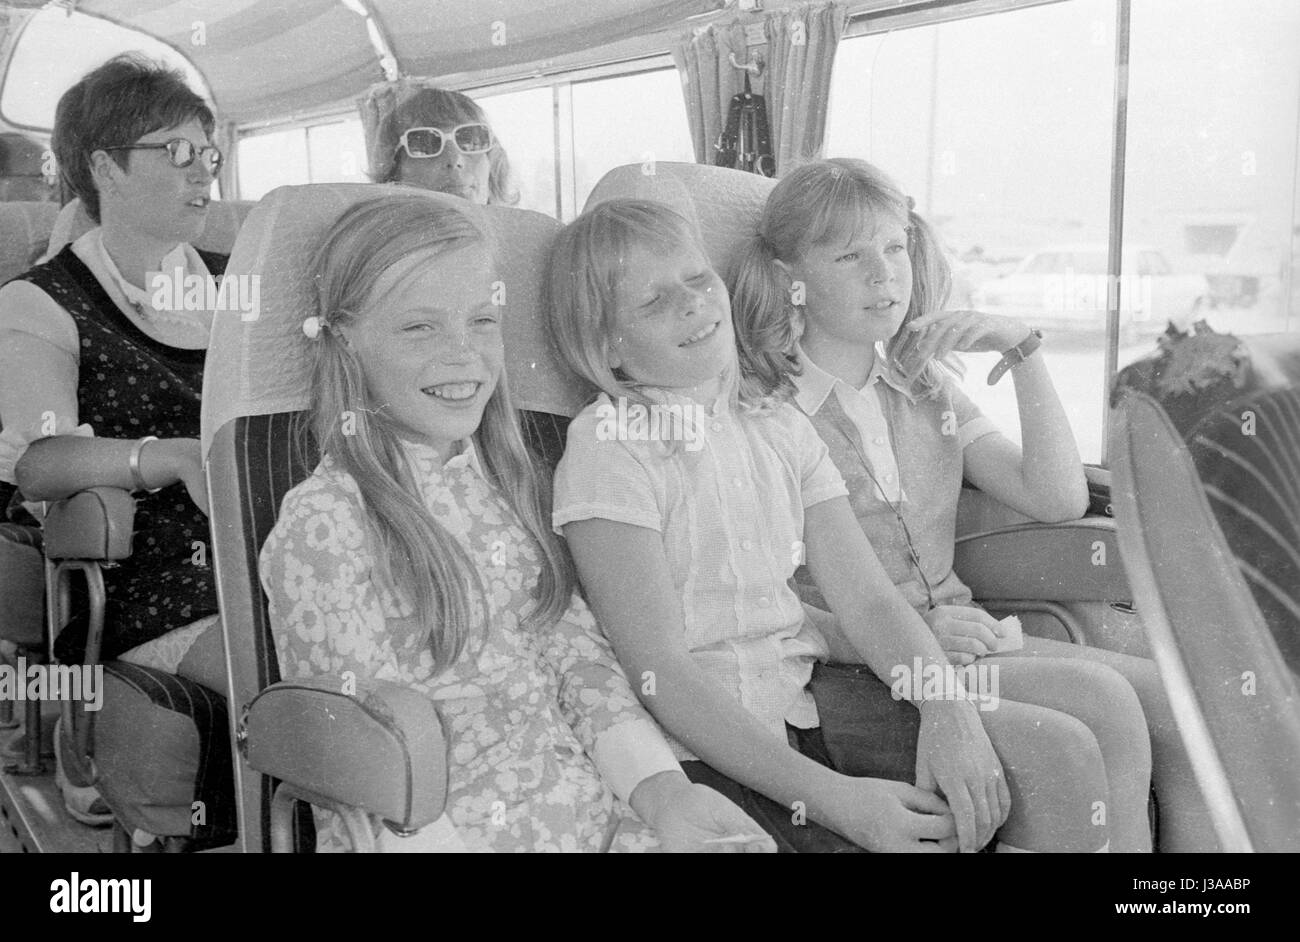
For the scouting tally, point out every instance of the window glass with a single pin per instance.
(525, 124)
(270, 160)
(1000, 129)
(1213, 116)
(57, 48)
(628, 119)
(337, 152)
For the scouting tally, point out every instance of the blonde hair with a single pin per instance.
(828, 201)
(587, 264)
(418, 559)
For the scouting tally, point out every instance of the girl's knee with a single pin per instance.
(1108, 701)
(1057, 777)
(1071, 753)
(1038, 746)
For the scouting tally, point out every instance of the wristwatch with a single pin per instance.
(1016, 355)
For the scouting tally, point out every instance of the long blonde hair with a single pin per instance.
(587, 264)
(418, 559)
(828, 201)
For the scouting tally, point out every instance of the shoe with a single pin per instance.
(82, 801)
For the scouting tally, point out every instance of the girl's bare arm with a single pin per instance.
(632, 594)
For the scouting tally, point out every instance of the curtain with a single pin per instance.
(799, 50)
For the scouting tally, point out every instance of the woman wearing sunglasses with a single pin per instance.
(100, 385)
(437, 140)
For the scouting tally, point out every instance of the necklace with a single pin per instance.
(843, 426)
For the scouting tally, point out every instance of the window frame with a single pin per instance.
(866, 17)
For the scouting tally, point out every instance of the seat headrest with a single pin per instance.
(20, 156)
(724, 204)
(22, 170)
(224, 219)
(24, 231)
(260, 366)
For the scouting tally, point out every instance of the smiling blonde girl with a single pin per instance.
(418, 553)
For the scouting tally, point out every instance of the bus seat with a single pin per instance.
(725, 204)
(224, 219)
(255, 388)
(22, 161)
(1236, 703)
(24, 233)
(1043, 572)
(22, 629)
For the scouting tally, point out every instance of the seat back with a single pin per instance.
(1247, 454)
(24, 234)
(256, 386)
(224, 220)
(1236, 703)
(22, 165)
(724, 204)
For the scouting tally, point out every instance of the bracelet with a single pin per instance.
(1016, 355)
(134, 464)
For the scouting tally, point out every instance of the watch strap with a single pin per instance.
(1016, 355)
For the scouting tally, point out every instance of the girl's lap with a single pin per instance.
(1140, 672)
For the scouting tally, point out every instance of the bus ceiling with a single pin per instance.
(265, 60)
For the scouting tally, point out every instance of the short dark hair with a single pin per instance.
(118, 103)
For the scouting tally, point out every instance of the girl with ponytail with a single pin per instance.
(839, 306)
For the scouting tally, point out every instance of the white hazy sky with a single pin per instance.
(1022, 118)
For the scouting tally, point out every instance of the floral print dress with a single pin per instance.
(523, 710)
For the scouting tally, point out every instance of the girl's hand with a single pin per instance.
(965, 633)
(690, 818)
(889, 817)
(936, 335)
(954, 756)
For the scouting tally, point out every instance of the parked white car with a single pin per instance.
(1067, 287)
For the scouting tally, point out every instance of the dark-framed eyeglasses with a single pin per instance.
(473, 138)
(182, 152)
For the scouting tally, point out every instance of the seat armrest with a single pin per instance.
(380, 749)
(96, 523)
(1074, 561)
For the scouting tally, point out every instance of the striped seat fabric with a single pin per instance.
(1247, 454)
(164, 755)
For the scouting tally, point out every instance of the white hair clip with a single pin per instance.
(312, 327)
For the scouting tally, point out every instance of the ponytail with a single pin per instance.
(767, 322)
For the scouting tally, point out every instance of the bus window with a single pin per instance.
(627, 119)
(333, 152)
(525, 121)
(1000, 127)
(1214, 106)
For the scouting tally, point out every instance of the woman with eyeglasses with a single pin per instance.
(436, 140)
(100, 374)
